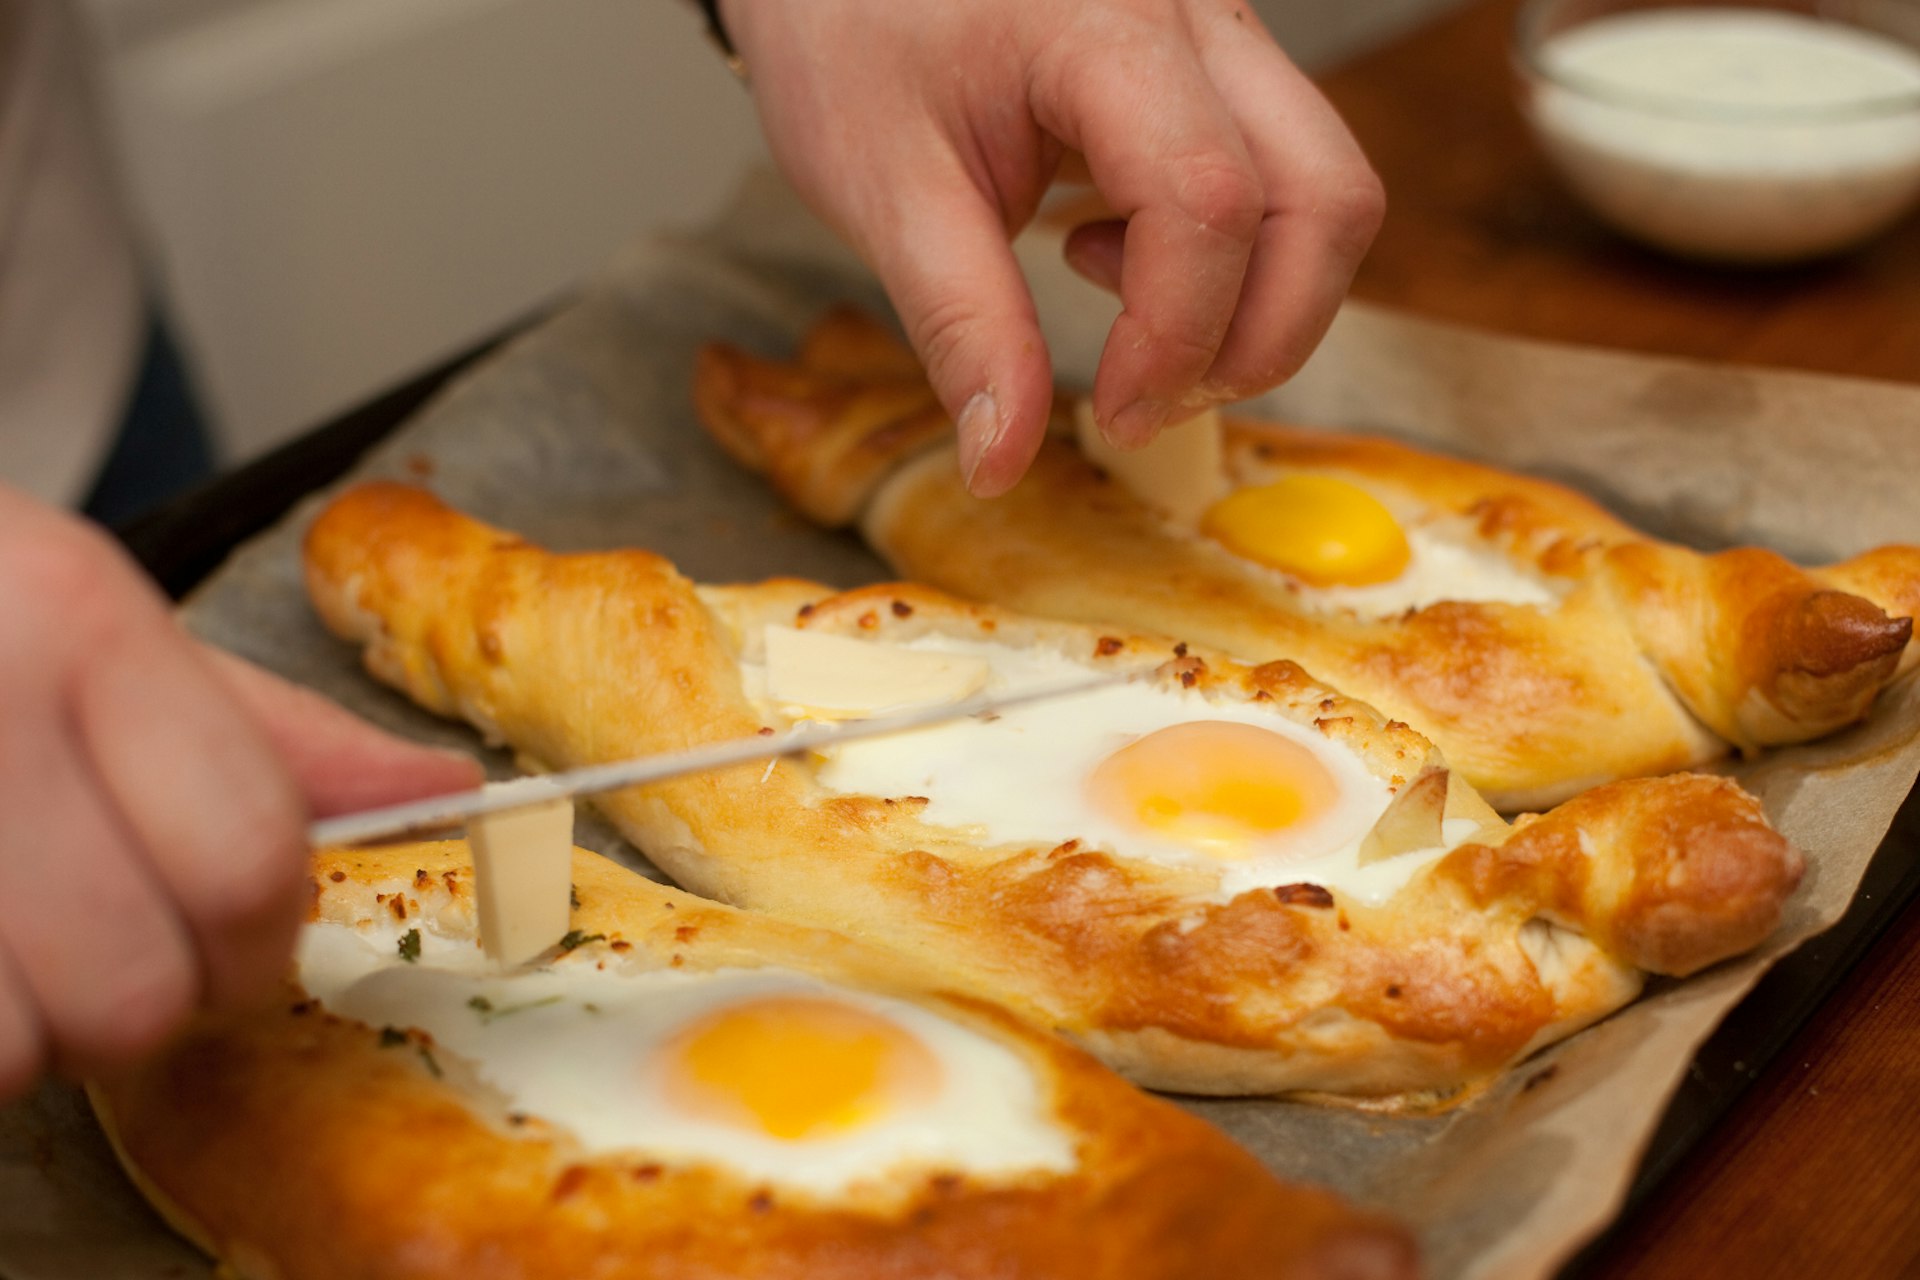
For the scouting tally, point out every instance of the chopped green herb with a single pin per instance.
(410, 946)
(488, 1011)
(573, 939)
(426, 1056)
(391, 1036)
(573, 896)
(589, 1007)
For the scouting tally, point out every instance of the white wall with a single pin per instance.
(340, 192)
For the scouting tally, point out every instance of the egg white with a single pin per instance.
(1021, 777)
(575, 1045)
(1442, 565)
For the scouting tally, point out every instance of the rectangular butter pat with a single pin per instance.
(828, 677)
(1180, 474)
(523, 879)
(1414, 819)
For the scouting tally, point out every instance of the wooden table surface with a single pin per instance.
(1815, 1171)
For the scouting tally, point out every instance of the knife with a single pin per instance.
(414, 816)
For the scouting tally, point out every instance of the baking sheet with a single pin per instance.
(582, 434)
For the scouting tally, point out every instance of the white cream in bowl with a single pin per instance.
(1731, 133)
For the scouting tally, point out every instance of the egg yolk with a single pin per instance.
(1218, 786)
(1321, 530)
(797, 1067)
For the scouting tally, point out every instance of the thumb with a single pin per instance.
(944, 258)
(339, 761)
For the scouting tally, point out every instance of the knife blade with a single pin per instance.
(414, 816)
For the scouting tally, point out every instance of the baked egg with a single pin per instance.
(772, 1074)
(1342, 547)
(1138, 770)
(1334, 542)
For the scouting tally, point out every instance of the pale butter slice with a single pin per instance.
(1180, 474)
(1415, 819)
(828, 677)
(523, 879)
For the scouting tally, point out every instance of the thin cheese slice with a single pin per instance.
(827, 677)
(1181, 474)
(523, 879)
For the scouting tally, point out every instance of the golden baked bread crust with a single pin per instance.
(293, 1145)
(1507, 943)
(1658, 657)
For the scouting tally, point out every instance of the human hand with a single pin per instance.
(154, 795)
(927, 134)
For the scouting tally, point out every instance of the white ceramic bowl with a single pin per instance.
(1736, 133)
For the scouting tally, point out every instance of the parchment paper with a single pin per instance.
(582, 434)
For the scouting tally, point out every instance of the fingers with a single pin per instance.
(1072, 170)
(941, 250)
(1246, 203)
(1167, 155)
(101, 956)
(23, 1044)
(202, 794)
(1095, 249)
(152, 831)
(1322, 205)
(95, 964)
(1242, 204)
(169, 768)
(911, 138)
(338, 761)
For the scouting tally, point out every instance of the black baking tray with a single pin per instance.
(185, 540)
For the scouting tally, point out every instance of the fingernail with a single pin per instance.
(979, 429)
(1138, 423)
